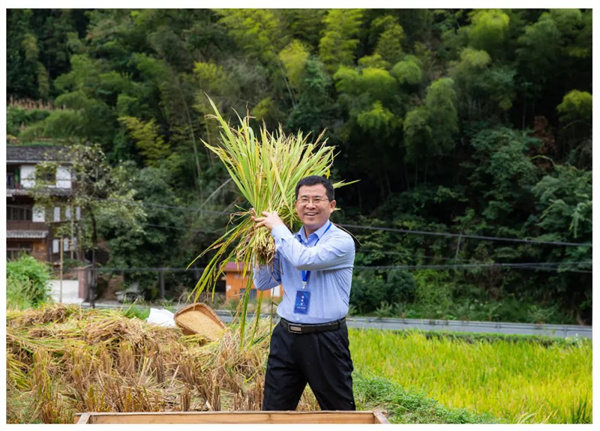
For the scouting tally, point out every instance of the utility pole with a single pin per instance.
(61, 270)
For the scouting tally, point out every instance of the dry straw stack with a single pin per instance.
(62, 360)
(266, 168)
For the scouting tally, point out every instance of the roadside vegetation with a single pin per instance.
(27, 283)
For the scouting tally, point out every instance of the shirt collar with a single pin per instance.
(319, 232)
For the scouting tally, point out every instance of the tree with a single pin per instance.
(339, 42)
(150, 143)
(488, 31)
(429, 130)
(564, 202)
(99, 192)
(26, 74)
(408, 71)
(294, 58)
(389, 44)
(156, 243)
(575, 113)
(315, 108)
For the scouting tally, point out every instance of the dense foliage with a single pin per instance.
(27, 283)
(473, 124)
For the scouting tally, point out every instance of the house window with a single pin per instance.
(14, 250)
(39, 214)
(55, 246)
(46, 174)
(68, 213)
(56, 213)
(19, 213)
(10, 181)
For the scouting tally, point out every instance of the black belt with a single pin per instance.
(307, 328)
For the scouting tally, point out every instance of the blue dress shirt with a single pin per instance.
(328, 255)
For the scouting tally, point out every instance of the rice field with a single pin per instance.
(517, 381)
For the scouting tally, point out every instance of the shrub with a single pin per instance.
(28, 282)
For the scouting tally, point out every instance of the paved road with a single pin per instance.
(461, 326)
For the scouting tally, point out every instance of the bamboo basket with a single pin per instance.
(200, 319)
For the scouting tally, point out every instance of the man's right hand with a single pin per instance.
(269, 220)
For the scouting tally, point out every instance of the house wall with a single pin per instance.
(40, 250)
(38, 214)
(63, 177)
(234, 283)
(38, 247)
(27, 176)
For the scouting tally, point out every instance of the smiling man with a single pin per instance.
(314, 265)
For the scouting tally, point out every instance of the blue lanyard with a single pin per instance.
(306, 274)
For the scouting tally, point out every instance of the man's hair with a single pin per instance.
(313, 180)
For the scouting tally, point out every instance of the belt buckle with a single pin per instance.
(297, 329)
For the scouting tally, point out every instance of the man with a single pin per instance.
(310, 343)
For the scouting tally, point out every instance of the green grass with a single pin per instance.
(517, 381)
(408, 407)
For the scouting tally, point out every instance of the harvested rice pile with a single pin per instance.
(62, 360)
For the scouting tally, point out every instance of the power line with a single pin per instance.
(460, 235)
(534, 265)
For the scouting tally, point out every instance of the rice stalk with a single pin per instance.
(265, 167)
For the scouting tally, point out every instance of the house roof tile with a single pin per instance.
(33, 153)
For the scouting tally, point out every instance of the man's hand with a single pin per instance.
(270, 220)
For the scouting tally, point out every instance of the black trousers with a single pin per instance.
(320, 359)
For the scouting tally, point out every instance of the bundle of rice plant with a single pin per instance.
(265, 167)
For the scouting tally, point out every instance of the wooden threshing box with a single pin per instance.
(258, 417)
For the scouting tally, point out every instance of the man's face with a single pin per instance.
(313, 207)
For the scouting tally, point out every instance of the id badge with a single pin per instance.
(302, 302)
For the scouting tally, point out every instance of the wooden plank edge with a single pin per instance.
(263, 417)
(380, 418)
(83, 418)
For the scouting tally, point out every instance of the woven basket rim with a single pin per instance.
(202, 308)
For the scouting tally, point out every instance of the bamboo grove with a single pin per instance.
(467, 129)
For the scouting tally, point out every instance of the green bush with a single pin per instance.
(434, 293)
(16, 295)
(370, 289)
(17, 117)
(28, 282)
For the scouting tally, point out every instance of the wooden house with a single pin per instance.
(31, 228)
(235, 284)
